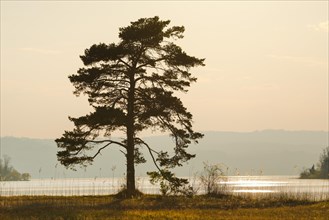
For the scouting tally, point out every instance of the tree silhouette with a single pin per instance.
(322, 170)
(131, 87)
(324, 164)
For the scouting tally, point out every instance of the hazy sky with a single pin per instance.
(266, 62)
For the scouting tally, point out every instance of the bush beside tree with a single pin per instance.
(212, 178)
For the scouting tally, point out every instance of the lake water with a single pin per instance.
(241, 185)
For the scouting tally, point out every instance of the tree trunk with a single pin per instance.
(130, 164)
(131, 189)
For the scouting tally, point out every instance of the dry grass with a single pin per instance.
(157, 207)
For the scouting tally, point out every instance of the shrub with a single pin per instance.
(212, 179)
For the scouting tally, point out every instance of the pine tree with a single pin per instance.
(131, 85)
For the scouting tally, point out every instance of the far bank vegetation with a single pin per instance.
(9, 173)
(321, 170)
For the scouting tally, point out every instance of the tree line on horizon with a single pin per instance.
(321, 170)
(9, 173)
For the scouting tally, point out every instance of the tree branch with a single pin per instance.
(110, 142)
(151, 150)
(125, 63)
(99, 150)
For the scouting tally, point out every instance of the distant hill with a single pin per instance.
(269, 152)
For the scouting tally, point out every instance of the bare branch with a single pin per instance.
(125, 63)
(110, 142)
(99, 150)
(151, 150)
(123, 153)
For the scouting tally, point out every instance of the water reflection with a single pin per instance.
(314, 189)
(240, 185)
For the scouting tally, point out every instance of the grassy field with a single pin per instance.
(158, 207)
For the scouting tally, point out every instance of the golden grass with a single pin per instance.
(157, 207)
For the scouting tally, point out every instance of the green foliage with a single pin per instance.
(8, 173)
(322, 170)
(170, 184)
(131, 85)
(324, 164)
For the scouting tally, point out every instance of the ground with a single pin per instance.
(158, 207)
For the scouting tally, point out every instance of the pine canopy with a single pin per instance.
(131, 85)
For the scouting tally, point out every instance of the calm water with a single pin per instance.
(242, 185)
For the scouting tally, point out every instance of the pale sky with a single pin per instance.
(266, 62)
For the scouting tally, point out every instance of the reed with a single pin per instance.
(108, 186)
